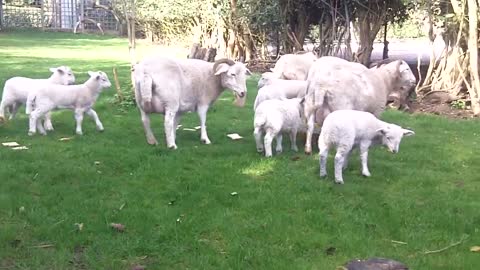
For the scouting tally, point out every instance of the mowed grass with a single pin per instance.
(177, 206)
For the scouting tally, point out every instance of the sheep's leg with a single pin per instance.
(279, 138)
(170, 129)
(40, 128)
(48, 122)
(323, 149)
(13, 110)
(364, 158)
(79, 120)
(310, 127)
(176, 120)
(268, 143)
(257, 133)
(93, 114)
(202, 113)
(148, 130)
(3, 108)
(293, 140)
(339, 160)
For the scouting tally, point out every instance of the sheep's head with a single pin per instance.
(101, 77)
(391, 136)
(266, 79)
(233, 76)
(63, 75)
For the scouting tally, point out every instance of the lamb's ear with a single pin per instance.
(221, 69)
(248, 72)
(271, 69)
(381, 131)
(57, 69)
(91, 73)
(407, 132)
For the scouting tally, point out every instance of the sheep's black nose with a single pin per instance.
(241, 94)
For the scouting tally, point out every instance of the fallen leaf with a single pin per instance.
(189, 129)
(10, 144)
(234, 193)
(475, 249)
(20, 148)
(197, 127)
(122, 206)
(234, 136)
(96, 162)
(171, 202)
(21, 209)
(179, 126)
(65, 139)
(79, 226)
(117, 226)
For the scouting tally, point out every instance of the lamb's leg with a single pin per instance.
(323, 149)
(339, 160)
(345, 163)
(3, 108)
(148, 130)
(293, 140)
(257, 133)
(13, 110)
(79, 120)
(310, 127)
(93, 114)
(279, 138)
(170, 129)
(202, 113)
(40, 128)
(268, 142)
(176, 120)
(364, 158)
(34, 121)
(48, 122)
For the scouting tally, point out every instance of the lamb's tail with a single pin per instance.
(30, 105)
(143, 84)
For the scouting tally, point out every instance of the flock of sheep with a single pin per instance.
(341, 98)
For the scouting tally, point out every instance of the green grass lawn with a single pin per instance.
(177, 205)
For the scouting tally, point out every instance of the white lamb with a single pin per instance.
(281, 89)
(346, 129)
(275, 117)
(16, 89)
(79, 98)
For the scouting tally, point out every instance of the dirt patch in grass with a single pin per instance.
(442, 109)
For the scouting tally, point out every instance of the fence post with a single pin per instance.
(1, 14)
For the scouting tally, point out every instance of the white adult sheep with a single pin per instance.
(79, 98)
(294, 66)
(336, 84)
(16, 89)
(346, 129)
(280, 89)
(173, 87)
(274, 117)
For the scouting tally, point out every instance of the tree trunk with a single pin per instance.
(474, 90)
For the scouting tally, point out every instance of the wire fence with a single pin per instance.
(61, 15)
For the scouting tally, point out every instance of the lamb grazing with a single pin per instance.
(79, 98)
(294, 66)
(281, 89)
(336, 84)
(173, 87)
(346, 129)
(274, 117)
(16, 89)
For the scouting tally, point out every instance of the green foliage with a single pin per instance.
(459, 104)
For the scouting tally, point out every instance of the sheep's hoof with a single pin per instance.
(79, 133)
(205, 141)
(259, 150)
(152, 141)
(43, 133)
(340, 182)
(49, 128)
(323, 175)
(31, 133)
(173, 147)
(366, 174)
(268, 155)
(295, 149)
(100, 129)
(308, 152)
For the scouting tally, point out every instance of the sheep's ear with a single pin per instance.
(271, 69)
(221, 69)
(91, 73)
(248, 72)
(407, 132)
(57, 69)
(302, 100)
